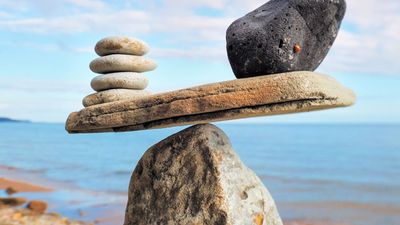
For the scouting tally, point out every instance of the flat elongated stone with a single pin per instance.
(284, 35)
(122, 63)
(113, 95)
(195, 177)
(124, 80)
(259, 96)
(121, 45)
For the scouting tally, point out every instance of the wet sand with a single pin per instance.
(106, 216)
(306, 222)
(21, 186)
(20, 214)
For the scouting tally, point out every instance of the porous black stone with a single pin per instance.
(268, 39)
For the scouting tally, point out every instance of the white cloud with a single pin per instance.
(88, 4)
(198, 52)
(4, 15)
(371, 47)
(12, 4)
(85, 22)
(3, 105)
(215, 4)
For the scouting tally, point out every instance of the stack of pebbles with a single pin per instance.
(121, 64)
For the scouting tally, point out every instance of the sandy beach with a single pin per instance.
(19, 210)
(37, 188)
(21, 186)
(17, 215)
(305, 222)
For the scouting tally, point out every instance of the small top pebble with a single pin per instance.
(121, 45)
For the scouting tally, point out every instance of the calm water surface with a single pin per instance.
(343, 173)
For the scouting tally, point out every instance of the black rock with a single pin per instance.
(283, 36)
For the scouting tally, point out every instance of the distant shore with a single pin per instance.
(9, 120)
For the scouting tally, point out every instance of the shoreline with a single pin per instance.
(307, 222)
(15, 209)
(21, 186)
(66, 203)
(100, 215)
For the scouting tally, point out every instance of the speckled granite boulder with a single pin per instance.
(283, 36)
(195, 177)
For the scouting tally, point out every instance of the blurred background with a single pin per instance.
(336, 166)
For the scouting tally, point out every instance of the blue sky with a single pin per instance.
(46, 47)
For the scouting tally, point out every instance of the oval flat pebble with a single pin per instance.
(122, 63)
(113, 95)
(123, 80)
(121, 45)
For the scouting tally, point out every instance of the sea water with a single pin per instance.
(340, 173)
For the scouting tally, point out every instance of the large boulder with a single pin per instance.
(195, 177)
(283, 36)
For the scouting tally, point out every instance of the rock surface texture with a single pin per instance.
(121, 45)
(122, 63)
(258, 96)
(37, 206)
(195, 177)
(113, 95)
(127, 80)
(283, 36)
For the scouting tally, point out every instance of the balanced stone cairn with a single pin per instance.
(121, 64)
(195, 176)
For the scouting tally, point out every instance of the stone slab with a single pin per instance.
(251, 97)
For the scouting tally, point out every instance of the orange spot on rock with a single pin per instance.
(259, 220)
(297, 48)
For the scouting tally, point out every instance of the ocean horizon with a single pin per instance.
(342, 173)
